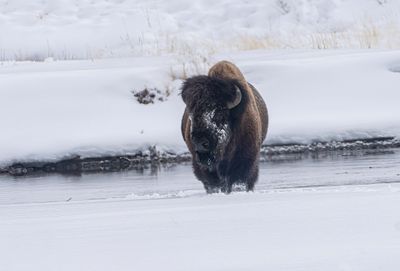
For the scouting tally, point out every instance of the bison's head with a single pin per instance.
(212, 104)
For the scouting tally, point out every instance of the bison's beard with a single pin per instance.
(219, 139)
(210, 160)
(205, 160)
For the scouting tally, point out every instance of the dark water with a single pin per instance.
(173, 180)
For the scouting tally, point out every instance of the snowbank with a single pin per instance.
(53, 110)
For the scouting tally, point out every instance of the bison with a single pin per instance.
(224, 124)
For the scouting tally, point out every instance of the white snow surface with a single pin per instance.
(69, 29)
(330, 229)
(50, 110)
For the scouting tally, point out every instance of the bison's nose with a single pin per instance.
(201, 145)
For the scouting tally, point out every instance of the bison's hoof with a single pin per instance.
(212, 189)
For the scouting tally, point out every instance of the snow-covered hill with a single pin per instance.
(68, 29)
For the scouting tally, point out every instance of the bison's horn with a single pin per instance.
(238, 98)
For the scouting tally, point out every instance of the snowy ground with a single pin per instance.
(328, 229)
(67, 29)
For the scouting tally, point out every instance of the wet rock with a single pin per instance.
(73, 166)
(17, 170)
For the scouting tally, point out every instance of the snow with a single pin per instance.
(221, 131)
(325, 96)
(52, 110)
(354, 228)
(67, 29)
(61, 106)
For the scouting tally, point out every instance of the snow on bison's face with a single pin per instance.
(209, 103)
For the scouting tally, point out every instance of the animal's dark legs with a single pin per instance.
(211, 189)
(243, 172)
(251, 181)
(241, 176)
(226, 188)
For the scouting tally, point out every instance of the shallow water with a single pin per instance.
(179, 181)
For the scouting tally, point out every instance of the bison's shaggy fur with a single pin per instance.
(224, 125)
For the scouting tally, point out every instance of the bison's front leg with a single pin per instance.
(242, 172)
(210, 189)
(226, 187)
(223, 186)
(225, 182)
(252, 181)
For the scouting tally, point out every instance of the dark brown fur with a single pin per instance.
(232, 155)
